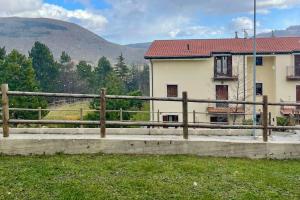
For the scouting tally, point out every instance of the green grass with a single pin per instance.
(61, 114)
(147, 177)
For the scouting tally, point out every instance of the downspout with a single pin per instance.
(152, 90)
(244, 83)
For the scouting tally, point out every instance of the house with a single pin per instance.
(222, 69)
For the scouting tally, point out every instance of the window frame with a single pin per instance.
(259, 58)
(262, 89)
(223, 64)
(172, 95)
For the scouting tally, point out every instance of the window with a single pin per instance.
(259, 89)
(258, 119)
(259, 61)
(219, 119)
(170, 118)
(222, 94)
(223, 66)
(172, 91)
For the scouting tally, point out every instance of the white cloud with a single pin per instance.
(87, 19)
(241, 23)
(12, 6)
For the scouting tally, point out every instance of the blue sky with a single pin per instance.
(132, 21)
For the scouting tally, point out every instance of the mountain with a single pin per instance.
(79, 43)
(290, 31)
(144, 45)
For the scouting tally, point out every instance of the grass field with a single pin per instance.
(147, 177)
(61, 114)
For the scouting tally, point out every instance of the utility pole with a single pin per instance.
(254, 70)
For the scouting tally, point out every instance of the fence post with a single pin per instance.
(81, 116)
(185, 115)
(102, 113)
(5, 110)
(265, 118)
(158, 113)
(40, 115)
(121, 116)
(194, 116)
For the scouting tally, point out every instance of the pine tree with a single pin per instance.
(102, 71)
(121, 68)
(2, 53)
(16, 70)
(45, 67)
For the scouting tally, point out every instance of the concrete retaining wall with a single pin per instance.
(249, 149)
(133, 131)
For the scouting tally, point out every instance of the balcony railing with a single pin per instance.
(225, 77)
(292, 73)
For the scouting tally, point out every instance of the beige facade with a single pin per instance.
(196, 76)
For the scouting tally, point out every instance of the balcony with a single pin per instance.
(292, 73)
(225, 77)
(225, 110)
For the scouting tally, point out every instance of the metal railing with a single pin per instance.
(103, 97)
(292, 73)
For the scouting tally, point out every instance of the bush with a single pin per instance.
(247, 122)
(282, 121)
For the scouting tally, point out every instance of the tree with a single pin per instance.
(121, 68)
(18, 73)
(64, 58)
(2, 53)
(45, 67)
(102, 71)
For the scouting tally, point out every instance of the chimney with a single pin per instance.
(236, 35)
(273, 34)
(245, 34)
(188, 46)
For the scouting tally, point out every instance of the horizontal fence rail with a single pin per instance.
(102, 122)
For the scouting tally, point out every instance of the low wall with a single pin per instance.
(155, 145)
(134, 131)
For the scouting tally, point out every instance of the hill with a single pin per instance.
(79, 43)
(290, 31)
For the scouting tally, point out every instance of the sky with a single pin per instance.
(134, 21)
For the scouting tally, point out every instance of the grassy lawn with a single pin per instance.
(61, 114)
(146, 177)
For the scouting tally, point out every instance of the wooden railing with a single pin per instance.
(103, 97)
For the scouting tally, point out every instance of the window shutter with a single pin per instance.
(229, 65)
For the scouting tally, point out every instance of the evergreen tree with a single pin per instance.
(64, 58)
(85, 77)
(102, 70)
(67, 78)
(16, 70)
(45, 67)
(121, 68)
(2, 53)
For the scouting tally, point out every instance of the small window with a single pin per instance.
(259, 61)
(258, 119)
(219, 119)
(172, 91)
(170, 118)
(259, 89)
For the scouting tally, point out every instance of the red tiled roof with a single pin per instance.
(205, 47)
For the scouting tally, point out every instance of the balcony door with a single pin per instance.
(222, 94)
(297, 65)
(223, 66)
(298, 95)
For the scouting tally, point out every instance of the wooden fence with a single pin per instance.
(103, 97)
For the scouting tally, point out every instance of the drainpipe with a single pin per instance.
(244, 83)
(152, 90)
(254, 70)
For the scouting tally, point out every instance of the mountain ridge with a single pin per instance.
(80, 43)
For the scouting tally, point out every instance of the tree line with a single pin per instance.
(41, 72)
